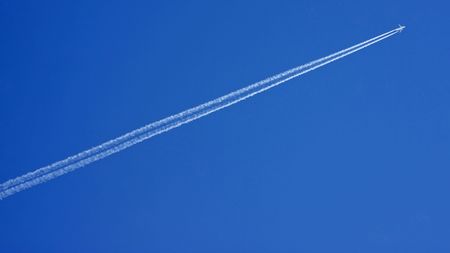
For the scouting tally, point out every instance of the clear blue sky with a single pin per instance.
(353, 157)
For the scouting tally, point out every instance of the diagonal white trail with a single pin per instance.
(84, 158)
(149, 127)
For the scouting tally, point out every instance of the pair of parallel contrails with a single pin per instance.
(129, 139)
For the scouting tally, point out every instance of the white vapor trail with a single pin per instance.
(129, 139)
(148, 127)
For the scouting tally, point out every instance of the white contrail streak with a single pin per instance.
(84, 158)
(153, 125)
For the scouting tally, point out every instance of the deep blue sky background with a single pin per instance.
(353, 157)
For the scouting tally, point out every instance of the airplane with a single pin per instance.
(400, 28)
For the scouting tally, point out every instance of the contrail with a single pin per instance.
(148, 127)
(84, 158)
